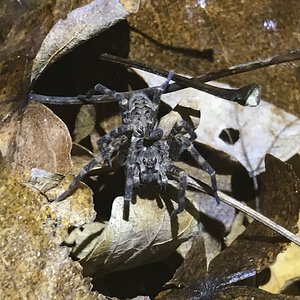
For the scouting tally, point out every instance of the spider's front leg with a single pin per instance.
(127, 195)
(181, 177)
(86, 169)
(184, 125)
(74, 184)
(160, 90)
(103, 90)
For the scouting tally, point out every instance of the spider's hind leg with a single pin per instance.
(205, 166)
(181, 177)
(186, 144)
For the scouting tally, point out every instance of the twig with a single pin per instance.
(259, 217)
(279, 59)
(254, 65)
(251, 212)
(247, 95)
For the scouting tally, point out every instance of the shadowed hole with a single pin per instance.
(229, 136)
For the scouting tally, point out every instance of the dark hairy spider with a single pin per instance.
(146, 155)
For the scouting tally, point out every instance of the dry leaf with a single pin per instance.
(85, 122)
(80, 25)
(131, 6)
(262, 129)
(250, 253)
(28, 143)
(196, 37)
(124, 244)
(285, 269)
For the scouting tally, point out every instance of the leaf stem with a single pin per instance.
(250, 212)
(259, 217)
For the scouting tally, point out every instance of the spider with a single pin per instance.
(147, 156)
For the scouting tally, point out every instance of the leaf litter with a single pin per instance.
(92, 254)
(67, 206)
(254, 250)
(33, 263)
(277, 130)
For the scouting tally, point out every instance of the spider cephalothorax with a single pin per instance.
(150, 165)
(145, 152)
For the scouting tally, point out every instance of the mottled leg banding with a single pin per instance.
(156, 134)
(182, 185)
(128, 194)
(101, 89)
(72, 187)
(104, 140)
(187, 127)
(160, 90)
(205, 166)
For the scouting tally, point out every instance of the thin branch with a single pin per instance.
(251, 212)
(76, 100)
(259, 217)
(247, 95)
(261, 63)
(251, 66)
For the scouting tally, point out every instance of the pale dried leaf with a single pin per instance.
(43, 180)
(285, 269)
(149, 235)
(237, 228)
(80, 25)
(263, 129)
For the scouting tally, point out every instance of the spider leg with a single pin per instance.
(204, 165)
(187, 127)
(104, 140)
(156, 134)
(181, 177)
(160, 90)
(72, 187)
(132, 180)
(127, 196)
(101, 89)
(85, 170)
